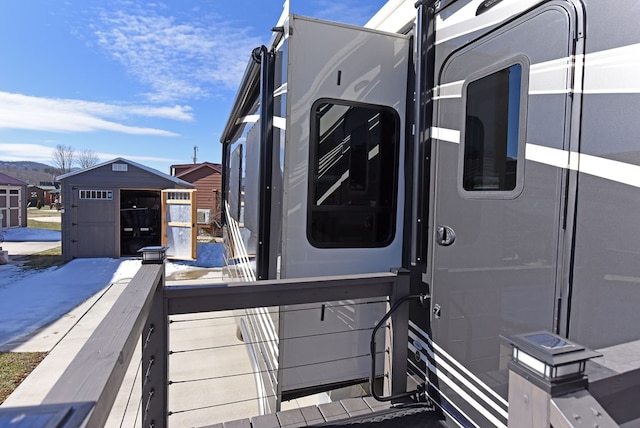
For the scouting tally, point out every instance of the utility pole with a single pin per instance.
(195, 154)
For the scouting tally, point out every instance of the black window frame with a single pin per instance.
(513, 193)
(346, 209)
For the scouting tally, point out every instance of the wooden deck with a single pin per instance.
(343, 412)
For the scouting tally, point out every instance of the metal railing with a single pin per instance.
(90, 384)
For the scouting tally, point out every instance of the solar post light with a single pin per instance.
(551, 362)
(153, 255)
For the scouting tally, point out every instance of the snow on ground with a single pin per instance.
(30, 299)
(37, 299)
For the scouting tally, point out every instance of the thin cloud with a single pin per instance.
(19, 111)
(20, 152)
(177, 58)
(40, 153)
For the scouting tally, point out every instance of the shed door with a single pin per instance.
(498, 201)
(179, 223)
(11, 206)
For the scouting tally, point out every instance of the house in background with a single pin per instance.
(47, 194)
(116, 208)
(207, 177)
(13, 210)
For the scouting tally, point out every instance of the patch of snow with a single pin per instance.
(34, 300)
(28, 234)
(31, 299)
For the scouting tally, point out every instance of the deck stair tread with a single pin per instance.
(362, 412)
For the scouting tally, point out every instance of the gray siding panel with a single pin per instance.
(606, 284)
(611, 24)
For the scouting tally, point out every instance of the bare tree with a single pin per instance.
(63, 157)
(87, 158)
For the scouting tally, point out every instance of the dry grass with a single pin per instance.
(32, 219)
(43, 259)
(14, 368)
(43, 212)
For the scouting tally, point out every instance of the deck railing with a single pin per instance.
(87, 389)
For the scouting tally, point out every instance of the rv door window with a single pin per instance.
(354, 163)
(492, 131)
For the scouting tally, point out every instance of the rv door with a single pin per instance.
(179, 223)
(500, 151)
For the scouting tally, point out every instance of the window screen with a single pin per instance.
(353, 177)
(492, 129)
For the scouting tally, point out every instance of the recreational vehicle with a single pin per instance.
(487, 147)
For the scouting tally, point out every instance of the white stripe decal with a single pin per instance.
(547, 155)
(280, 90)
(460, 366)
(449, 90)
(441, 363)
(608, 169)
(551, 77)
(614, 71)
(466, 397)
(443, 134)
(252, 118)
(279, 122)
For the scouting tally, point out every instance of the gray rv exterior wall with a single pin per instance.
(99, 220)
(605, 293)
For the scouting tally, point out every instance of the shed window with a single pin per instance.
(96, 194)
(492, 131)
(353, 175)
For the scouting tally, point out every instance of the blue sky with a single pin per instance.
(146, 81)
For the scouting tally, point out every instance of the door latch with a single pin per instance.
(436, 311)
(445, 236)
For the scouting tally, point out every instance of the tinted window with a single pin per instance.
(354, 162)
(492, 131)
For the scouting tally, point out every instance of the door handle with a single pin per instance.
(446, 236)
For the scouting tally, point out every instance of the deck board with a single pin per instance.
(291, 418)
(333, 411)
(265, 421)
(240, 423)
(356, 407)
(312, 415)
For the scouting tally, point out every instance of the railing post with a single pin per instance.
(548, 384)
(155, 357)
(399, 333)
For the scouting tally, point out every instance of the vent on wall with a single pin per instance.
(204, 216)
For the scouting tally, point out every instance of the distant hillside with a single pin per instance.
(29, 172)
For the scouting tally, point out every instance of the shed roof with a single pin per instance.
(196, 166)
(137, 165)
(46, 188)
(8, 180)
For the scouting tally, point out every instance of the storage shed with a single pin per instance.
(13, 209)
(114, 209)
(207, 177)
(45, 194)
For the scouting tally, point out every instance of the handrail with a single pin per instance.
(422, 299)
(91, 382)
(97, 371)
